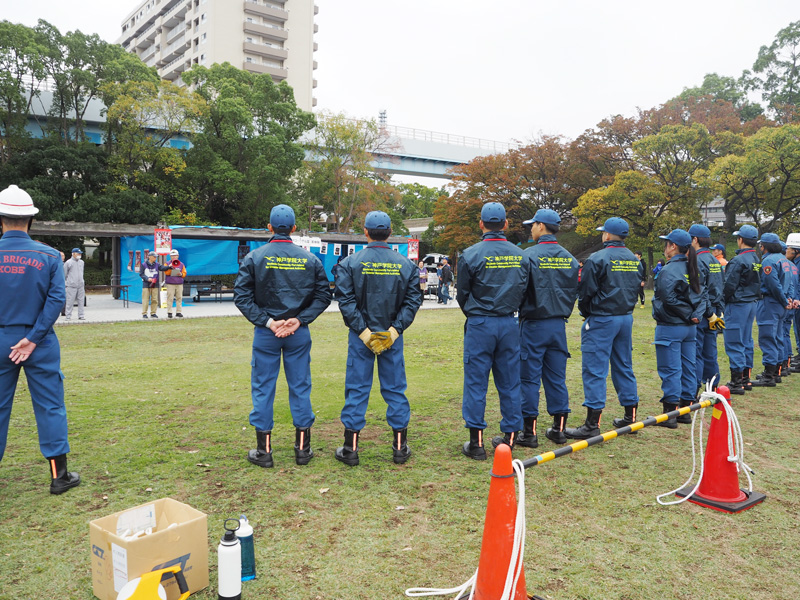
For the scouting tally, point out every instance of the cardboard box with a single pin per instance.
(179, 536)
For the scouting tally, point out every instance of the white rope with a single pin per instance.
(514, 564)
(735, 447)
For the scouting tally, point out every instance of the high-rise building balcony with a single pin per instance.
(176, 14)
(254, 7)
(267, 31)
(264, 50)
(173, 69)
(276, 73)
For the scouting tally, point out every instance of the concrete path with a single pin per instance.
(102, 308)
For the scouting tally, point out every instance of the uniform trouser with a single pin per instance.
(75, 294)
(769, 316)
(174, 292)
(149, 296)
(738, 334)
(675, 360)
(358, 384)
(787, 335)
(607, 339)
(46, 384)
(266, 364)
(543, 360)
(706, 364)
(491, 344)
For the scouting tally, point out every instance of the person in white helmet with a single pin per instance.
(31, 296)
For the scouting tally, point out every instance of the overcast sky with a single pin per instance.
(499, 69)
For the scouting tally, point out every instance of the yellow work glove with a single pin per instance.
(716, 323)
(380, 341)
(366, 336)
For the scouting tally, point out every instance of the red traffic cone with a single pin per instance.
(498, 532)
(719, 488)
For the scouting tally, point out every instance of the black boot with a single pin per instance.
(302, 446)
(508, 438)
(400, 449)
(262, 455)
(628, 419)
(348, 454)
(671, 422)
(767, 378)
(794, 364)
(735, 384)
(687, 418)
(61, 479)
(590, 427)
(474, 447)
(785, 370)
(747, 385)
(556, 433)
(528, 437)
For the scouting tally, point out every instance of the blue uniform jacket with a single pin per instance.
(552, 281)
(378, 288)
(610, 281)
(713, 281)
(742, 281)
(674, 301)
(31, 285)
(775, 280)
(281, 281)
(491, 277)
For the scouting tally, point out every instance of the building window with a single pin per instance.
(248, 59)
(202, 59)
(203, 38)
(203, 18)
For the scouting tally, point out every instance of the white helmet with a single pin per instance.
(793, 241)
(15, 202)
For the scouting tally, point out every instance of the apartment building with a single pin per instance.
(261, 36)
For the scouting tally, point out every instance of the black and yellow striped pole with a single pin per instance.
(610, 435)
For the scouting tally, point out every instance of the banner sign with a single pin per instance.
(163, 241)
(413, 249)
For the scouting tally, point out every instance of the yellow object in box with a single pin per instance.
(121, 550)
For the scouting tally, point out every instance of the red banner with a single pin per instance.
(413, 249)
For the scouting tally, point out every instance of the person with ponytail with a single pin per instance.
(678, 307)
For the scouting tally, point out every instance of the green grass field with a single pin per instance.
(148, 402)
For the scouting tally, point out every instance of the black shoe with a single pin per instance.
(262, 455)
(169, 315)
(590, 427)
(784, 370)
(144, 316)
(302, 446)
(735, 385)
(671, 422)
(556, 433)
(628, 419)
(768, 377)
(60, 479)
(179, 315)
(153, 316)
(474, 447)
(746, 383)
(348, 454)
(509, 439)
(687, 418)
(528, 437)
(400, 450)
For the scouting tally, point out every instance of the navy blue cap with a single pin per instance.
(747, 231)
(718, 247)
(493, 212)
(679, 237)
(78, 250)
(770, 238)
(544, 215)
(377, 220)
(281, 217)
(783, 246)
(700, 231)
(615, 226)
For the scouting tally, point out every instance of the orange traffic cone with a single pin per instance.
(719, 487)
(498, 532)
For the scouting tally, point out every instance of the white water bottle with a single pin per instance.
(229, 563)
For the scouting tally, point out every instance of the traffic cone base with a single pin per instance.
(750, 499)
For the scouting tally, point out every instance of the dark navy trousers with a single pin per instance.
(676, 346)
(266, 365)
(706, 355)
(738, 334)
(543, 361)
(46, 384)
(769, 316)
(491, 344)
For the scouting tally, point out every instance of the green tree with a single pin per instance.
(246, 148)
(776, 74)
(725, 89)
